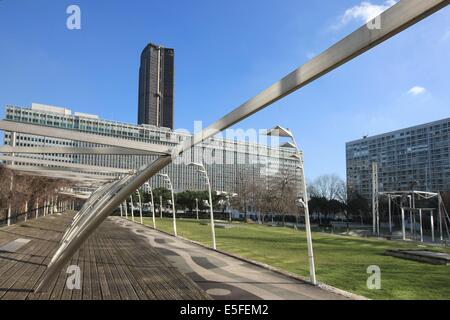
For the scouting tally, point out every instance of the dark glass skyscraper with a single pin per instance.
(156, 85)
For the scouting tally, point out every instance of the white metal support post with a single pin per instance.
(132, 208)
(432, 226)
(390, 213)
(196, 206)
(403, 223)
(375, 209)
(421, 228)
(202, 170)
(153, 207)
(126, 209)
(282, 132)
(169, 182)
(440, 213)
(140, 205)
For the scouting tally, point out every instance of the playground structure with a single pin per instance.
(410, 209)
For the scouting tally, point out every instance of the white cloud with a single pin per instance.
(365, 11)
(417, 90)
(310, 55)
(446, 35)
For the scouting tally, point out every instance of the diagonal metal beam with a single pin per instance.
(394, 20)
(58, 173)
(73, 150)
(67, 134)
(80, 167)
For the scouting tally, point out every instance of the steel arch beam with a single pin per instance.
(76, 135)
(393, 21)
(58, 173)
(81, 167)
(73, 150)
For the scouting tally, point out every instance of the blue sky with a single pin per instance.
(226, 52)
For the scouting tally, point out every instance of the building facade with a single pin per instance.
(230, 164)
(156, 87)
(413, 158)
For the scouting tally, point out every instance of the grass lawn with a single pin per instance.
(340, 261)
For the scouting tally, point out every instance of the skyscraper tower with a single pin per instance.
(156, 85)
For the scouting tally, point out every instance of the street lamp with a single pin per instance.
(167, 179)
(152, 203)
(132, 208)
(201, 169)
(286, 133)
(140, 205)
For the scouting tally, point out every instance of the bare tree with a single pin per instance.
(330, 187)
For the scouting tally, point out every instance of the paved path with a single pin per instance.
(225, 277)
(115, 264)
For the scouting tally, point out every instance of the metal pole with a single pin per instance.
(432, 225)
(121, 212)
(140, 206)
(440, 209)
(173, 208)
(390, 213)
(196, 206)
(160, 207)
(126, 209)
(13, 144)
(421, 229)
(37, 208)
(410, 214)
(403, 224)
(26, 210)
(312, 268)
(153, 209)
(132, 208)
(375, 216)
(213, 231)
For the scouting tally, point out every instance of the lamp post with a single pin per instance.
(126, 209)
(152, 204)
(167, 179)
(196, 206)
(201, 169)
(132, 208)
(140, 205)
(160, 207)
(282, 132)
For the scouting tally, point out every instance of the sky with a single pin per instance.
(227, 51)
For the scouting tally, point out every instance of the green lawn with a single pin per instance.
(340, 261)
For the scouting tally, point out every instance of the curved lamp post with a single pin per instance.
(286, 133)
(167, 179)
(201, 169)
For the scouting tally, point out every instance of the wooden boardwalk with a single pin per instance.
(115, 264)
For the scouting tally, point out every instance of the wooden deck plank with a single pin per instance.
(115, 264)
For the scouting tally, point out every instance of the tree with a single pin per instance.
(357, 205)
(26, 188)
(328, 196)
(328, 186)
